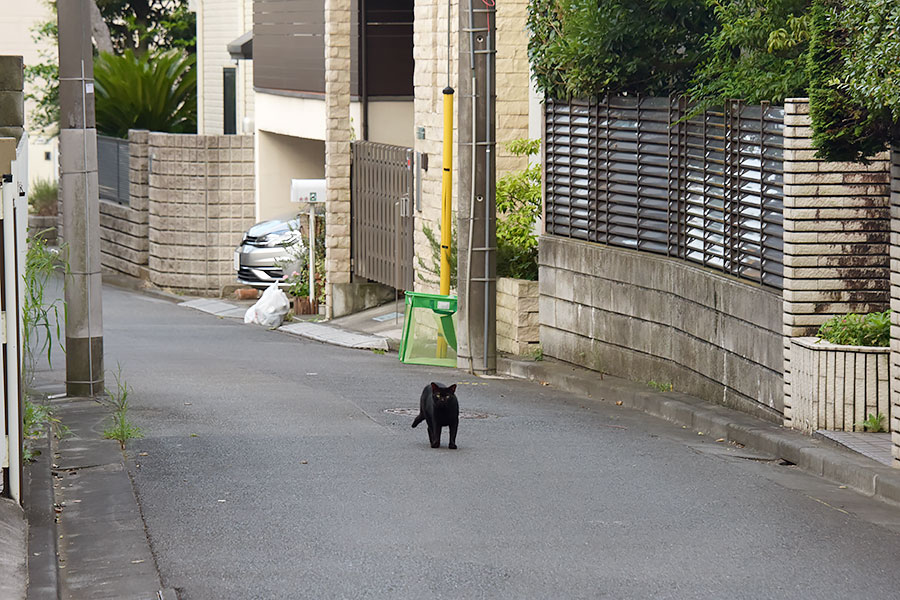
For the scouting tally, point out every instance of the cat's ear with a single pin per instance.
(452, 389)
(434, 388)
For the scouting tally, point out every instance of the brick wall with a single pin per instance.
(518, 323)
(836, 236)
(895, 305)
(337, 148)
(124, 229)
(200, 202)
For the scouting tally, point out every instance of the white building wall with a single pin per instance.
(17, 21)
(219, 22)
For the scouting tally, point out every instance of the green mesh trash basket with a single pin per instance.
(429, 330)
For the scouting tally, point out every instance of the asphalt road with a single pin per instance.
(271, 469)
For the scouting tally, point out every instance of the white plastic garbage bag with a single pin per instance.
(270, 309)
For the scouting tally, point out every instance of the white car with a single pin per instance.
(266, 249)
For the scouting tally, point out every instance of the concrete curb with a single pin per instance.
(103, 547)
(43, 559)
(13, 570)
(815, 456)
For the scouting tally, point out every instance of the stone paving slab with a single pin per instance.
(333, 335)
(876, 446)
(220, 308)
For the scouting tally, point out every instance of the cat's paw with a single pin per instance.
(452, 446)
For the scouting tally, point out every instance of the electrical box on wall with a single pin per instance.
(307, 190)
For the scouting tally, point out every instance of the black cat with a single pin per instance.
(438, 407)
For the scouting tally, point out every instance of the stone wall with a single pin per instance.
(895, 305)
(200, 203)
(518, 323)
(836, 236)
(651, 318)
(124, 229)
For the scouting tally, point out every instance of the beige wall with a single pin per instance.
(390, 122)
(218, 23)
(281, 158)
(17, 19)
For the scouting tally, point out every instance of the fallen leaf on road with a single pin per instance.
(188, 403)
(194, 435)
(545, 383)
(699, 433)
(143, 454)
(221, 500)
(137, 562)
(720, 440)
(618, 403)
(842, 487)
(304, 462)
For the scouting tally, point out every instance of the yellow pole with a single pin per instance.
(446, 190)
(446, 206)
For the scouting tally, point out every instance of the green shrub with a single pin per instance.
(585, 48)
(757, 53)
(155, 91)
(518, 208)
(43, 197)
(873, 329)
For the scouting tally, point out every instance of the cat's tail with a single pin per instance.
(418, 419)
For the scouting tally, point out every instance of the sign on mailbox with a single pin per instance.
(307, 190)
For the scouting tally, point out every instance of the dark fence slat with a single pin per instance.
(633, 172)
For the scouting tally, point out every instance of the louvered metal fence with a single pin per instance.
(381, 216)
(113, 162)
(634, 172)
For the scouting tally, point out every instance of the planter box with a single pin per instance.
(518, 325)
(835, 387)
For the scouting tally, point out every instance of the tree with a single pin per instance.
(757, 52)
(156, 91)
(586, 48)
(116, 25)
(855, 73)
(143, 25)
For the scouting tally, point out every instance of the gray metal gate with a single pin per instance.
(381, 216)
(113, 162)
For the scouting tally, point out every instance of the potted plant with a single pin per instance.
(840, 379)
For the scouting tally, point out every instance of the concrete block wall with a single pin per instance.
(430, 54)
(651, 318)
(124, 229)
(200, 202)
(836, 236)
(518, 322)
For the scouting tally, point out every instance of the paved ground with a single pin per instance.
(272, 469)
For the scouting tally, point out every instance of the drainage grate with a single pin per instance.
(463, 414)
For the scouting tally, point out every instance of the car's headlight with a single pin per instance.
(279, 238)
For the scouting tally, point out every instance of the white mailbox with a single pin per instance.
(307, 190)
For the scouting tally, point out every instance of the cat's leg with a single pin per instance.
(436, 438)
(453, 426)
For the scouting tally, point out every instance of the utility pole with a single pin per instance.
(80, 200)
(477, 231)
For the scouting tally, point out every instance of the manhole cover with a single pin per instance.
(463, 414)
